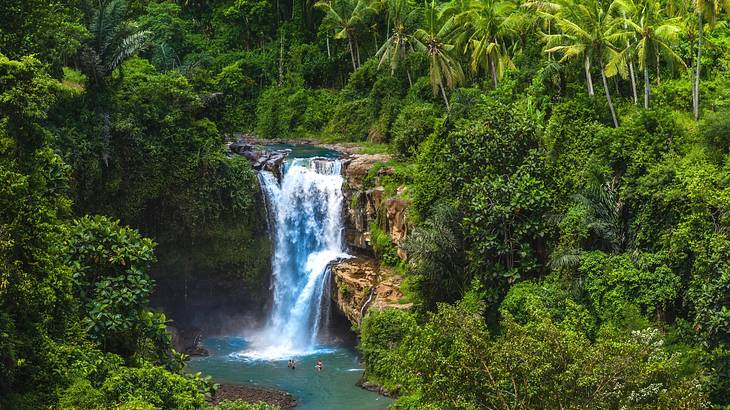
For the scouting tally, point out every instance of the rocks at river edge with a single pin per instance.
(271, 161)
(374, 387)
(254, 394)
(187, 340)
(261, 159)
(362, 284)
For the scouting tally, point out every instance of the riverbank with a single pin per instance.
(254, 394)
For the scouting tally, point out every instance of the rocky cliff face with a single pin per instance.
(361, 284)
(367, 203)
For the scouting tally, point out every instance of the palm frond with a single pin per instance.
(127, 48)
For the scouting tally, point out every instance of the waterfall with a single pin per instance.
(305, 209)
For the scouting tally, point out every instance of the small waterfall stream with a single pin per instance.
(305, 209)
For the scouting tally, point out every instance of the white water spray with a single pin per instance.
(306, 212)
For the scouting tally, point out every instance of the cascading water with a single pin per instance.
(305, 210)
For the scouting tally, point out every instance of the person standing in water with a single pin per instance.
(319, 365)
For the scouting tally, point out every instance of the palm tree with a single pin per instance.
(589, 29)
(544, 10)
(677, 8)
(112, 41)
(431, 39)
(656, 36)
(490, 25)
(436, 257)
(705, 10)
(402, 16)
(628, 51)
(605, 210)
(346, 17)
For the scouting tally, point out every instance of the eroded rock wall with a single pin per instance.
(368, 203)
(362, 284)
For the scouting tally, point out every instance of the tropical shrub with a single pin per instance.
(415, 122)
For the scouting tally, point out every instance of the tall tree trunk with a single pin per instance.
(493, 68)
(633, 81)
(608, 95)
(696, 82)
(278, 14)
(357, 50)
(352, 52)
(443, 94)
(631, 66)
(589, 80)
(647, 85)
(550, 55)
(658, 72)
(408, 74)
(281, 58)
(329, 54)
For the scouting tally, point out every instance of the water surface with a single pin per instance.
(333, 388)
(305, 151)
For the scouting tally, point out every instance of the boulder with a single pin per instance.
(187, 340)
(241, 147)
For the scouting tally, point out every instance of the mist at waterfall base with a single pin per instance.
(306, 226)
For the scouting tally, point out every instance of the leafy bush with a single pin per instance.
(437, 268)
(534, 301)
(380, 130)
(674, 94)
(715, 128)
(616, 281)
(504, 220)
(236, 88)
(414, 124)
(465, 103)
(320, 108)
(361, 80)
(574, 145)
(273, 116)
(383, 246)
(81, 395)
(153, 385)
(421, 91)
(351, 119)
(382, 333)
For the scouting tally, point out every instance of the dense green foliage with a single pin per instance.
(567, 166)
(106, 134)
